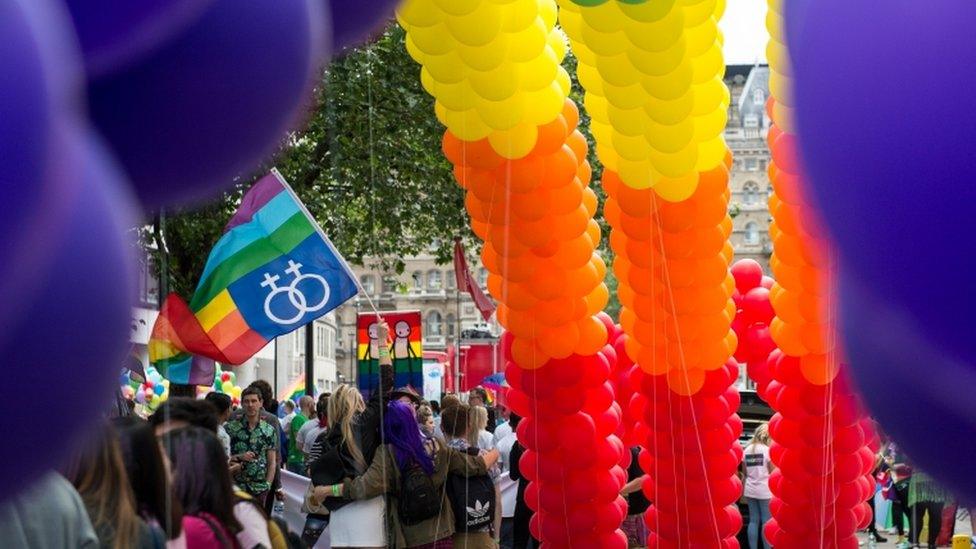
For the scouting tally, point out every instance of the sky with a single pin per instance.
(744, 25)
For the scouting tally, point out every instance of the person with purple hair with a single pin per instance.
(202, 484)
(398, 461)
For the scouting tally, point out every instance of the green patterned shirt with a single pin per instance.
(253, 477)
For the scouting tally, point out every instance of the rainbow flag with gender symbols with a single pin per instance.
(272, 271)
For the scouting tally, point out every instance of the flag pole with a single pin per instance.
(310, 359)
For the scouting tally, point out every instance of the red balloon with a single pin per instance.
(756, 306)
(767, 282)
(225, 376)
(747, 273)
(758, 343)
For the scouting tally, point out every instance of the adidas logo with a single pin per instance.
(478, 511)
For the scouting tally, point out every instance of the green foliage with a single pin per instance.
(368, 165)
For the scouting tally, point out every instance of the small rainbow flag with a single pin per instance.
(272, 271)
(294, 391)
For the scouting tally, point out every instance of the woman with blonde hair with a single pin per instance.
(756, 468)
(345, 450)
(478, 435)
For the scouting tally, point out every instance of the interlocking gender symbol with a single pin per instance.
(296, 297)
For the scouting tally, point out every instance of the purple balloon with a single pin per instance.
(68, 342)
(354, 20)
(42, 84)
(209, 104)
(115, 33)
(886, 128)
(922, 397)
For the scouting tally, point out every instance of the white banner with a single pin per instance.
(294, 487)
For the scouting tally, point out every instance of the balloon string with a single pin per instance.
(674, 311)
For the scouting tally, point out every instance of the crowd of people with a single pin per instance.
(388, 470)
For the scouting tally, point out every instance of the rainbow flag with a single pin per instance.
(294, 391)
(272, 271)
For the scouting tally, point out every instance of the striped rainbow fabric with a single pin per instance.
(272, 271)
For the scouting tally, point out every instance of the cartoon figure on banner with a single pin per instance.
(406, 350)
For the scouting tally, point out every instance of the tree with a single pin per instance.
(369, 167)
(367, 164)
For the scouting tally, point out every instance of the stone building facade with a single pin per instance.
(746, 136)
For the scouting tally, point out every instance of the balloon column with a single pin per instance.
(819, 432)
(626, 391)
(494, 69)
(752, 318)
(653, 78)
(907, 273)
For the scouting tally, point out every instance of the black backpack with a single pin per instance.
(418, 499)
(472, 500)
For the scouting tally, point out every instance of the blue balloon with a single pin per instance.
(207, 105)
(890, 161)
(159, 389)
(113, 34)
(922, 396)
(43, 81)
(75, 327)
(353, 20)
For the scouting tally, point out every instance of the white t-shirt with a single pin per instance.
(502, 431)
(756, 462)
(485, 440)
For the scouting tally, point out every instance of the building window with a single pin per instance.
(369, 284)
(482, 276)
(148, 284)
(451, 329)
(752, 233)
(751, 121)
(752, 164)
(758, 96)
(389, 284)
(434, 327)
(434, 280)
(324, 341)
(418, 280)
(451, 279)
(750, 192)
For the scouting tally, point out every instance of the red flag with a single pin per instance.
(467, 283)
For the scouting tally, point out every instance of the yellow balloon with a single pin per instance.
(516, 142)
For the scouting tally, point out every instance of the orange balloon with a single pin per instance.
(652, 360)
(590, 201)
(686, 382)
(551, 137)
(523, 175)
(819, 369)
(592, 336)
(527, 355)
(570, 113)
(566, 199)
(577, 143)
(787, 337)
(572, 225)
(597, 299)
(559, 342)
